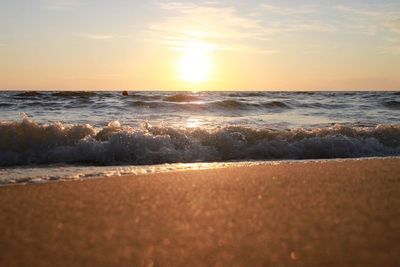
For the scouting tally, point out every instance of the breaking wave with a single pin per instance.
(28, 142)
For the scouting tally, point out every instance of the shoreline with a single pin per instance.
(336, 213)
(94, 172)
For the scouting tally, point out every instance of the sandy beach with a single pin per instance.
(334, 213)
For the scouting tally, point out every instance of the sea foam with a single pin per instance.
(28, 142)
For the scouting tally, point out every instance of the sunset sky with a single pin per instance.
(213, 45)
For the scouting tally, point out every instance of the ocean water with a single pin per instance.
(56, 135)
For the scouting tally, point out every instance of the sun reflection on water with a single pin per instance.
(194, 123)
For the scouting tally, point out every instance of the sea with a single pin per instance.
(62, 135)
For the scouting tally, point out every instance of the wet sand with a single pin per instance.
(335, 213)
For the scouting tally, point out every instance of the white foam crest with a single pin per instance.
(28, 142)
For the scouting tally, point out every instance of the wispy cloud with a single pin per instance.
(394, 25)
(62, 4)
(392, 46)
(256, 28)
(221, 26)
(374, 20)
(370, 19)
(229, 28)
(291, 11)
(360, 11)
(95, 36)
(288, 19)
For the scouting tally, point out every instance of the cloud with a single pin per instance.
(360, 11)
(227, 28)
(95, 36)
(222, 27)
(208, 21)
(370, 19)
(289, 11)
(255, 28)
(288, 19)
(392, 46)
(62, 4)
(394, 25)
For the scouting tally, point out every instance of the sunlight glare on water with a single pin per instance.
(194, 123)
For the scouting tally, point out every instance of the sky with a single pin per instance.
(200, 45)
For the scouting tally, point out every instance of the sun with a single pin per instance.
(195, 64)
(195, 67)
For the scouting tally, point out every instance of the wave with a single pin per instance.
(247, 94)
(143, 96)
(74, 94)
(214, 106)
(230, 104)
(6, 104)
(392, 104)
(322, 105)
(28, 142)
(276, 104)
(28, 94)
(303, 92)
(237, 104)
(147, 104)
(181, 98)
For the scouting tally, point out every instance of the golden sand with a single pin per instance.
(334, 213)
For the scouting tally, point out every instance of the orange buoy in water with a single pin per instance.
(125, 93)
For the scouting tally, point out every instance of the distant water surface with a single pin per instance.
(205, 109)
